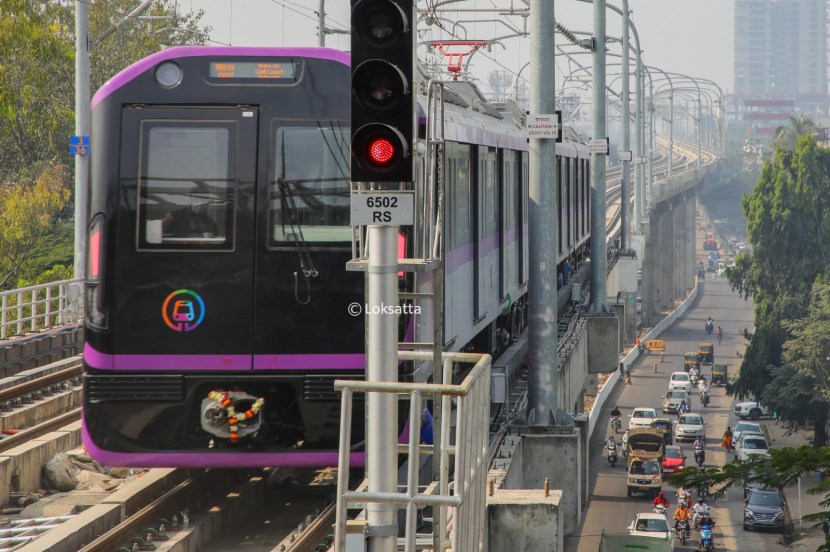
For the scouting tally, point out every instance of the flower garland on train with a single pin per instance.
(225, 399)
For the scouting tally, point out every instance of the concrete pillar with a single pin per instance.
(650, 270)
(665, 234)
(691, 239)
(679, 249)
(524, 520)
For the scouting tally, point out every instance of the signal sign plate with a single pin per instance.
(386, 209)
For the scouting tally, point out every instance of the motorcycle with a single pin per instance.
(615, 423)
(709, 327)
(706, 541)
(683, 531)
(700, 457)
(660, 509)
(612, 454)
(704, 398)
(683, 499)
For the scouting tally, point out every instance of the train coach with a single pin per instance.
(217, 299)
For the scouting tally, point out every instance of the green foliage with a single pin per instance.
(37, 104)
(788, 226)
(27, 212)
(786, 137)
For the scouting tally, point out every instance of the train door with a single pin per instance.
(308, 307)
(183, 237)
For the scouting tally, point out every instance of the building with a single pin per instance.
(780, 63)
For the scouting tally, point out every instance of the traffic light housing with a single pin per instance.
(383, 95)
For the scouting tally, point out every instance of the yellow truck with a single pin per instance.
(645, 450)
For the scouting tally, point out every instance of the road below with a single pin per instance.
(609, 508)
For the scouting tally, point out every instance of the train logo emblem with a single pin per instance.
(183, 310)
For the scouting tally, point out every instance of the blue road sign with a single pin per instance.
(79, 145)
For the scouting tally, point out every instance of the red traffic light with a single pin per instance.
(379, 150)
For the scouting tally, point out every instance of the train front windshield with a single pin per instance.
(309, 190)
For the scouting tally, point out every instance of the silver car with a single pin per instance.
(673, 398)
(689, 427)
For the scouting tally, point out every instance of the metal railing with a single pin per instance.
(40, 307)
(458, 520)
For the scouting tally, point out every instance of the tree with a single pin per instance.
(789, 229)
(36, 92)
(27, 211)
(786, 137)
(37, 98)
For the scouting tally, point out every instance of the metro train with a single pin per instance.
(217, 296)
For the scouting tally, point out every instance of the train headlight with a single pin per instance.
(168, 74)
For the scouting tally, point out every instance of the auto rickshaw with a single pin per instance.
(706, 352)
(719, 374)
(665, 426)
(691, 359)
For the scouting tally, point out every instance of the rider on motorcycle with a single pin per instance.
(682, 496)
(700, 509)
(611, 445)
(681, 514)
(615, 416)
(660, 499)
(697, 447)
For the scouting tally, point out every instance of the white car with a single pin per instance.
(652, 525)
(680, 380)
(689, 427)
(641, 417)
(745, 427)
(672, 399)
(751, 444)
(751, 410)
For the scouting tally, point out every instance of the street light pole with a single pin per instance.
(599, 260)
(625, 179)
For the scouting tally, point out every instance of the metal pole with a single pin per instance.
(650, 140)
(625, 180)
(382, 365)
(321, 21)
(699, 131)
(599, 260)
(640, 146)
(671, 131)
(82, 125)
(542, 235)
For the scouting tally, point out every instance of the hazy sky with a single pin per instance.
(693, 37)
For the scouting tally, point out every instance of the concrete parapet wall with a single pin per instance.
(525, 520)
(632, 356)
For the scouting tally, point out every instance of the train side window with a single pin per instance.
(309, 182)
(186, 186)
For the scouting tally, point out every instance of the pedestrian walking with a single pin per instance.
(726, 442)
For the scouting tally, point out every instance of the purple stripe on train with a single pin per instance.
(104, 361)
(218, 459)
(139, 67)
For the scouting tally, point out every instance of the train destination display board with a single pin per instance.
(226, 69)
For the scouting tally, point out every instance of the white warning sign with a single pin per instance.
(543, 126)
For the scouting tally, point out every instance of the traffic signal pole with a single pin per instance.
(382, 160)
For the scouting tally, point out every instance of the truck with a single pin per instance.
(645, 449)
(626, 543)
